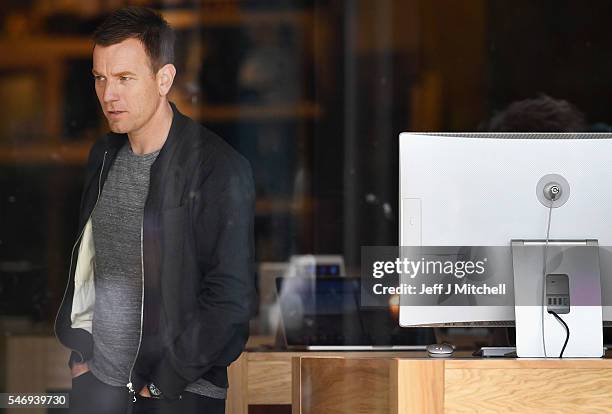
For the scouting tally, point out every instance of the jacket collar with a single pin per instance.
(162, 163)
(116, 141)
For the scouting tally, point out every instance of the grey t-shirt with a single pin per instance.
(117, 223)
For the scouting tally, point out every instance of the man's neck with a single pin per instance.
(152, 136)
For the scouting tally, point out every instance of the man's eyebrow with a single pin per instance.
(124, 73)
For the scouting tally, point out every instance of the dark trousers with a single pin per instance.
(92, 396)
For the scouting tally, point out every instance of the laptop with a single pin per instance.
(323, 314)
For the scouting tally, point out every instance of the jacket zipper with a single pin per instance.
(129, 384)
(72, 256)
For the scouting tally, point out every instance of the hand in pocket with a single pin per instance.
(79, 369)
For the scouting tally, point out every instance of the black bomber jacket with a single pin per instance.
(197, 260)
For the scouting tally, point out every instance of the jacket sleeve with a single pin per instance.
(223, 222)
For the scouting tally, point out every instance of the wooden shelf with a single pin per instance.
(225, 113)
(268, 206)
(23, 50)
(77, 153)
(187, 19)
(66, 154)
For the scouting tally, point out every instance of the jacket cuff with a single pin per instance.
(168, 380)
(75, 358)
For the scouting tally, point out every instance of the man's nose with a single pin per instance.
(110, 92)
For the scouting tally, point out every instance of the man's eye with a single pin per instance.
(98, 78)
(124, 78)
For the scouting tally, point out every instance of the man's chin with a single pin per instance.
(117, 128)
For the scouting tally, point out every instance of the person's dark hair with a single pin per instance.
(143, 24)
(542, 114)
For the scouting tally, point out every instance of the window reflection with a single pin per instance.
(312, 92)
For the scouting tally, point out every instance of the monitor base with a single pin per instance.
(496, 352)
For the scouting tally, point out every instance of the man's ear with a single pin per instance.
(165, 78)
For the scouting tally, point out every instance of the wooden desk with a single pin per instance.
(470, 385)
(265, 378)
(361, 382)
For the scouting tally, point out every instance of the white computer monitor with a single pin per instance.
(479, 189)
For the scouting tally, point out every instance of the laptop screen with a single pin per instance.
(320, 311)
(326, 311)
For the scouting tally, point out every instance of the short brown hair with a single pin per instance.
(541, 114)
(143, 24)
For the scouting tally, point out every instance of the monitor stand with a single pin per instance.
(540, 292)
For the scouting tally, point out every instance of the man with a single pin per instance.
(541, 114)
(160, 287)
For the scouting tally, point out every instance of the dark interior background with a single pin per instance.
(313, 92)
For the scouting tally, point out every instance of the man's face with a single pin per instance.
(126, 86)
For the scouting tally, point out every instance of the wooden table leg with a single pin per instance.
(417, 387)
(237, 395)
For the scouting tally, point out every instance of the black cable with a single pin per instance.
(566, 330)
